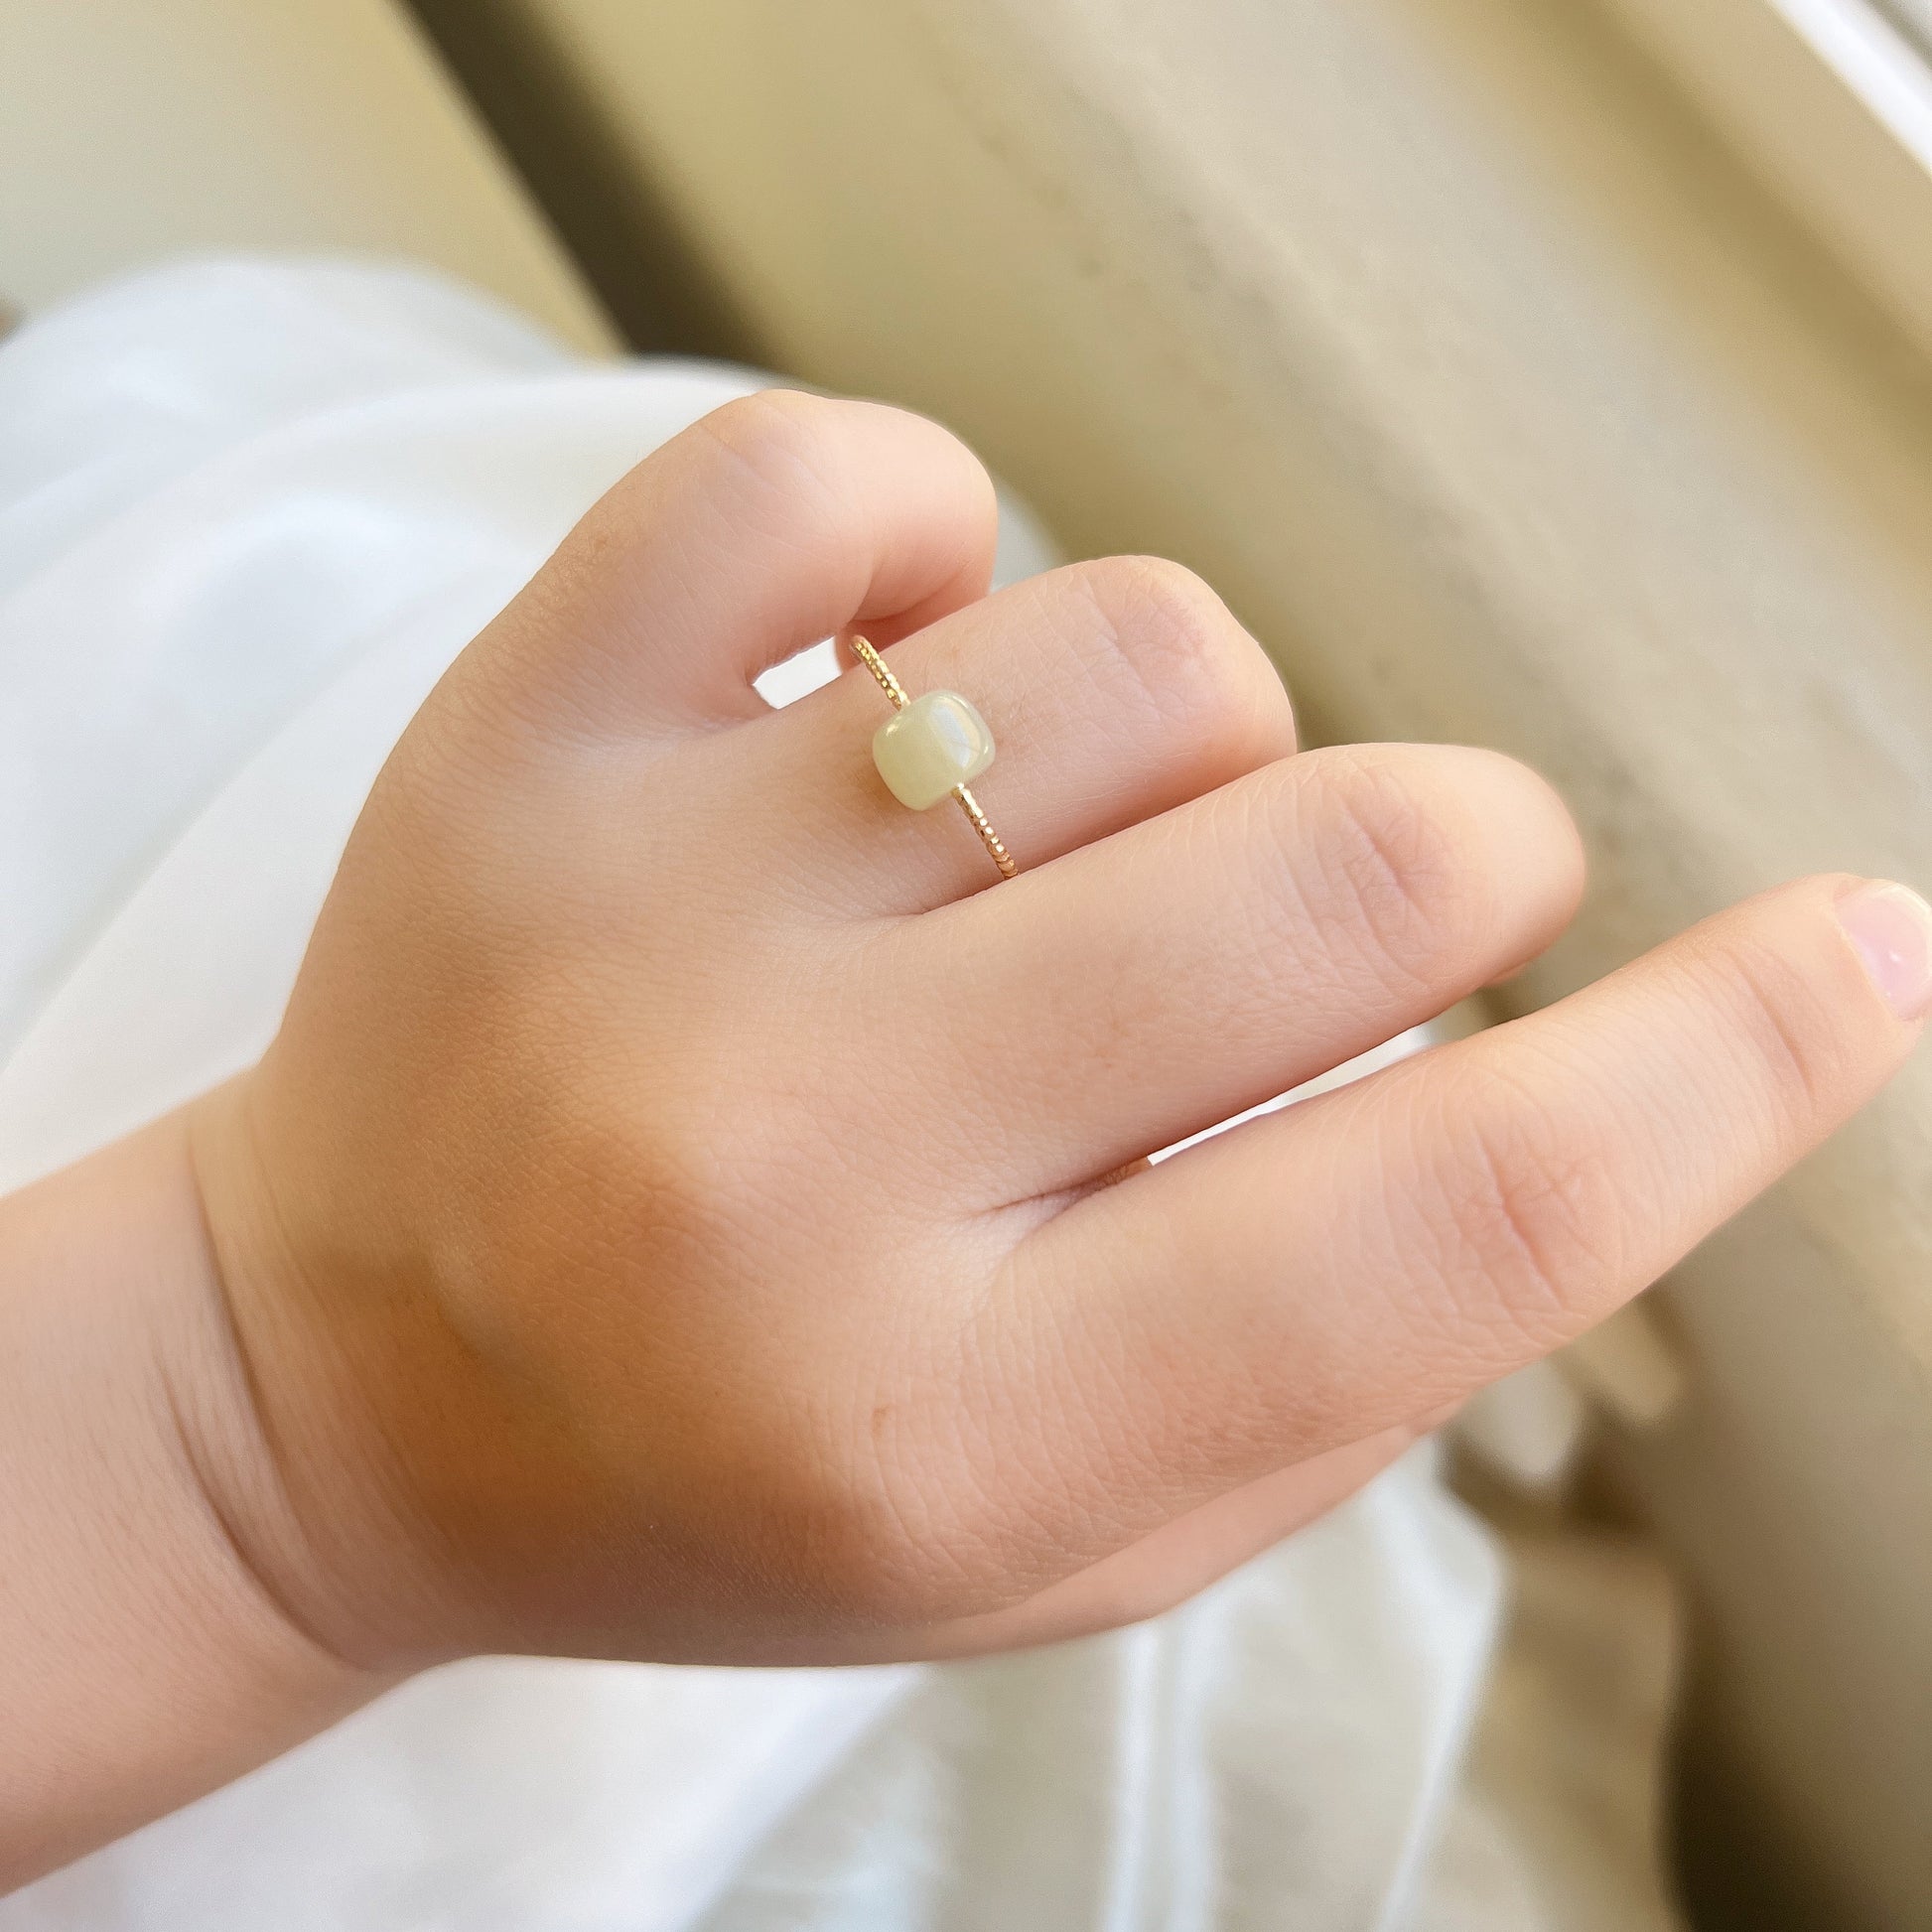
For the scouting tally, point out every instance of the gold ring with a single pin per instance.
(932, 747)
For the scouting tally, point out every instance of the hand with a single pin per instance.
(667, 1224)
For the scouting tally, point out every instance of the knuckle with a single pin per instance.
(1169, 599)
(768, 460)
(1530, 1223)
(1167, 640)
(778, 441)
(767, 420)
(1398, 863)
(1785, 1031)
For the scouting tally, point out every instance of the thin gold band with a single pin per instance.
(968, 805)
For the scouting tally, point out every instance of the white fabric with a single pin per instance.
(247, 515)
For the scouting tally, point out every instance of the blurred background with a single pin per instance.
(1551, 374)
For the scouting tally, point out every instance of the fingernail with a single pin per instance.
(1891, 928)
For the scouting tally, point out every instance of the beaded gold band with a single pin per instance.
(931, 749)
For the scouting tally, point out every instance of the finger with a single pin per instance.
(1214, 957)
(1113, 689)
(766, 525)
(1318, 1274)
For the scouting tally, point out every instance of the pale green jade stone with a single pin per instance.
(936, 743)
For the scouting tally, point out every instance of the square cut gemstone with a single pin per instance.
(936, 743)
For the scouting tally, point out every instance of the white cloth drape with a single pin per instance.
(248, 512)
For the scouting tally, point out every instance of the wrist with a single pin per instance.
(145, 1655)
(326, 1496)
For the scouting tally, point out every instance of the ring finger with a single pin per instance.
(1114, 690)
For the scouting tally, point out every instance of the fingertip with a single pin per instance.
(1534, 817)
(1889, 928)
(1530, 849)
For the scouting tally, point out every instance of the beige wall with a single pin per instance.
(132, 131)
(1507, 408)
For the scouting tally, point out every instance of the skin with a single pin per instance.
(668, 1224)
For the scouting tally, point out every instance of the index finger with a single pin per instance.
(1329, 1270)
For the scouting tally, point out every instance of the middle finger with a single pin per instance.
(1148, 986)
